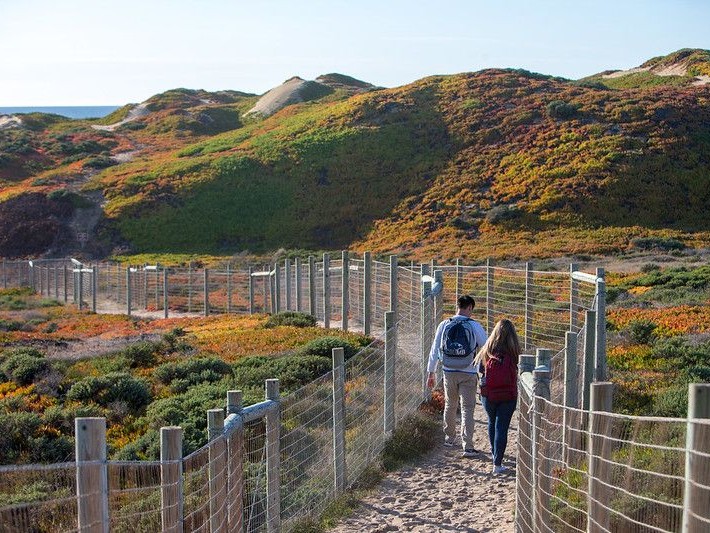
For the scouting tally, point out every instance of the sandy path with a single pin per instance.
(443, 492)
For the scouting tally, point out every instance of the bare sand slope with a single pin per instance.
(443, 492)
(137, 111)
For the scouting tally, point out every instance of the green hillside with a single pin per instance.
(501, 163)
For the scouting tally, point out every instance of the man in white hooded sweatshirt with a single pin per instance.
(460, 376)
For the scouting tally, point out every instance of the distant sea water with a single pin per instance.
(96, 111)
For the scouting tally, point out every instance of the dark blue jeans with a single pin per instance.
(499, 415)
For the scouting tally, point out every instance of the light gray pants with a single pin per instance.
(460, 385)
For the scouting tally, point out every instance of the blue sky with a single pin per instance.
(94, 52)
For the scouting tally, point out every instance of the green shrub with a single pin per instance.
(23, 365)
(561, 110)
(173, 340)
(10, 325)
(415, 435)
(642, 331)
(181, 375)
(672, 403)
(502, 213)
(291, 318)
(657, 243)
(323, 347)
(118, 386)
(292, 371)
(142, 354)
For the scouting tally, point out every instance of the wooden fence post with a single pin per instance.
(590, 343)
(326, 290)
(573, 298)
(696, 496)
(272, 292)
(439, 298)
(542, 466)
(128, 290)
(189, 288)
(91, 475)
(600, 354)
(66, 284)
(166, 288)
(229, 291)
(217, 469)
(393, 286)
(570, 436)
(367, 294)
(339, 420)
(250, 273)
(390, 392)
(206, 295)
(171, 487)
(4, 274)
(94, 286)
(528, 305)
(457, 290)
(345, 294)
(599, 447)
(80, 293)
(277, 288)
(273, 459)
(312, 309)
(299, 285)
(490, 296)
(235, 465)
(287, 279)
(424, 335)
(56, 283)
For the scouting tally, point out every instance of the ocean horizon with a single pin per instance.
(95, 111)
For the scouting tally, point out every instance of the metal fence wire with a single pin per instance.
(330, 431)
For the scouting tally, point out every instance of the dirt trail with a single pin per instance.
(443, 492)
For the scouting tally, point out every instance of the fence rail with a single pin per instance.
(270, 465)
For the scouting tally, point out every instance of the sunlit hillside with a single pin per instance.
(502, 163)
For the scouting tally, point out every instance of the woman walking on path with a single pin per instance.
(498, 364)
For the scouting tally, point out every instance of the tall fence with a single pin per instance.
(582, 467)
(268, 466)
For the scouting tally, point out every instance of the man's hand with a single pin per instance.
(431, 380)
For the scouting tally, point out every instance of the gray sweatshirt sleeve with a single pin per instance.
(435, 350)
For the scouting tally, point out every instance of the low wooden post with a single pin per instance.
(570, 435)
(235, 465)
(273, 459)
(312, 285)
(171, 483)
(345, 292)
(528, 305)
(287, 278)
(252, 305)
(573, 298)
(217, 469)
(542, 471)
(206, 294)
(299, 284)
(367, 294)
(94, 286)
(326, 290)
(166, 287)
(128, 290)
(66, 284)
(229, 291)
(424, 335)
(393, 285)
(277, 288)
(439, 298)
(80, 292)
(189, 288)
(91, 475)
(600, 353)
(339, 420)
(696, 496)
(390, 392)
(600, 448)
(490, 296)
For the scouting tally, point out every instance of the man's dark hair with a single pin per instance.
(466, 301)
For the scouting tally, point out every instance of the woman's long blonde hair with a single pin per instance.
(502, 341)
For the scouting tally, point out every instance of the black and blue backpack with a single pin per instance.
(458, 344)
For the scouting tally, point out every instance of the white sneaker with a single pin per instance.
(499, 469)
